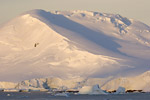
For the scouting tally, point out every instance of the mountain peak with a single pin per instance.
(117, 20)
(34, 11)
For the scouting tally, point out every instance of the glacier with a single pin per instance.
(83, 85)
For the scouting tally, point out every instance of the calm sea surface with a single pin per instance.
(47, 96)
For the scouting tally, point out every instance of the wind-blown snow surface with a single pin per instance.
(72, 44)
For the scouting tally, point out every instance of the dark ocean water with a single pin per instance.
(47, 96)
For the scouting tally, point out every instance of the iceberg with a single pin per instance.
(91, 90)
(62, 94)
(120, 90)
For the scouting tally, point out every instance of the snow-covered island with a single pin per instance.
(80, 52)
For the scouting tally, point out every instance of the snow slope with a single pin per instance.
(140, 82)
(8, 85)
(72, 44)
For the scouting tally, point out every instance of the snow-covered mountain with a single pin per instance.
(72, 44)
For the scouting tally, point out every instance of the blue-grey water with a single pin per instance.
(47, 96)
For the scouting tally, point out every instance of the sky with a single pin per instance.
(136, 9)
